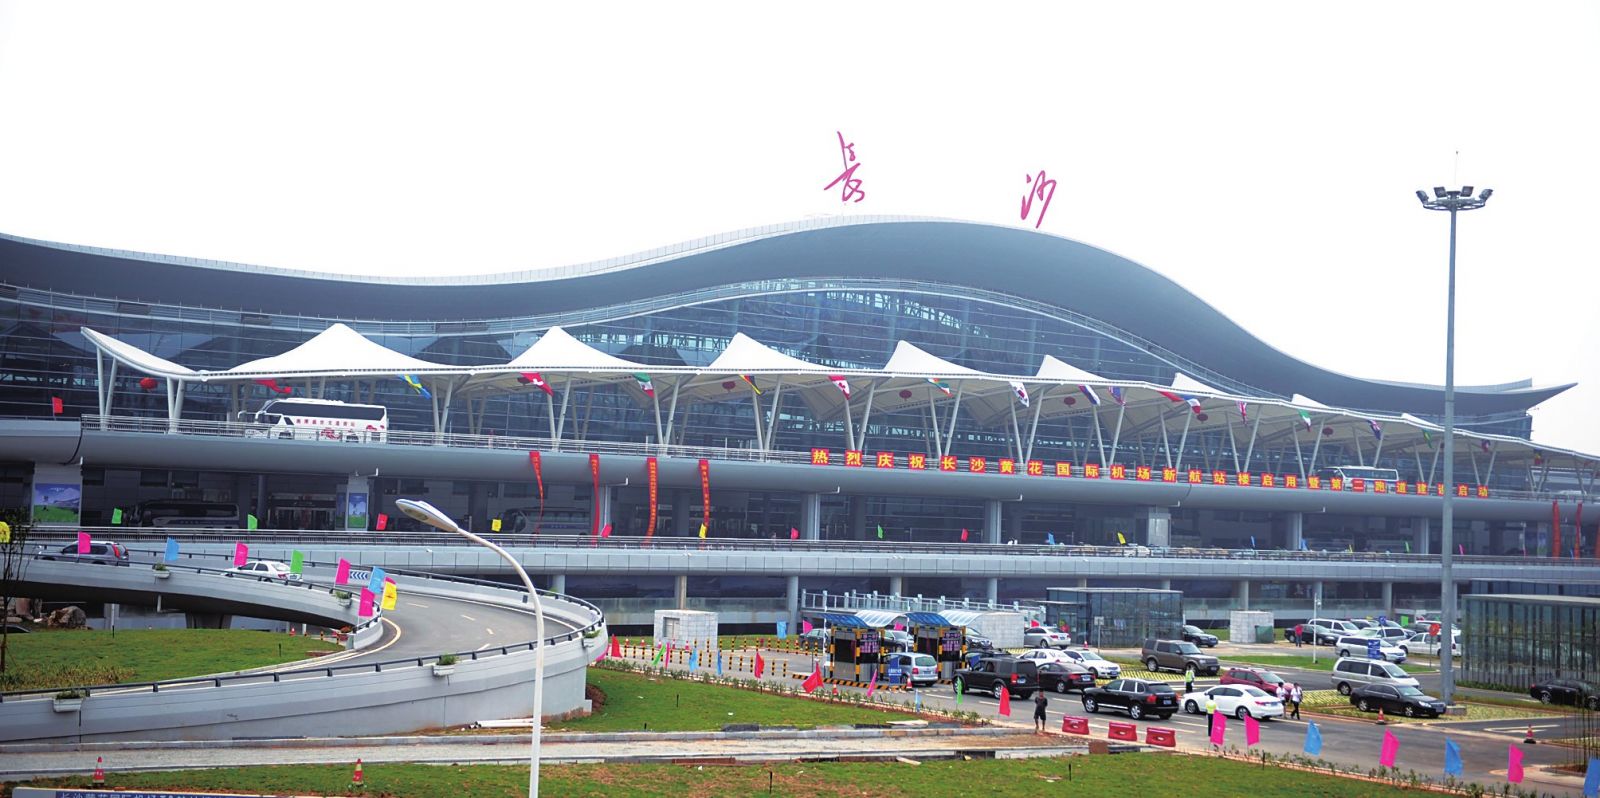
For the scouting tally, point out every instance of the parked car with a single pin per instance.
(1045, 637)
(1237, 700)
(1198, 637)
(1423, 643)
(1357, 646)
(1352, 672)
(1064, 677)
(1020, 676)
(977, 640)
(919, 669)
(101, 552)
(1390, 634)
(816, 639)
(1253, 677)
(265, 570)
(1137, 697)
(898, 640)
(1566, 691)
(1360, 623)
(1321, 631)
(1403, 699)
(1101, 667)
(1043, 655)
(1176, 655)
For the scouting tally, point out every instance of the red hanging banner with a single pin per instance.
(1555, 529)
(705, 493)
(652, 469)
(594, 478)
(538, 476)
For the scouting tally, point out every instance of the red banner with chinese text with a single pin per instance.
(705, 493)
(652, 471)
(594, 478)
(538, 476)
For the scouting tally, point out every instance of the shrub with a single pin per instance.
(447, 659)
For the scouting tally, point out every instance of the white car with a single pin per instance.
(1357, 646)
(1426, 644)
(265, 570)
(1388, 634)
(1236, 700)
(919, 669)
(1043, 655)
(1045, 637)
(1101, 667)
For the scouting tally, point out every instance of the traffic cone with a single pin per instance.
(1528, 739)
(356, 778)
(1382, 720)
(99, 773)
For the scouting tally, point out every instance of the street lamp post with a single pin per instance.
(432, 516)
(1454, 201)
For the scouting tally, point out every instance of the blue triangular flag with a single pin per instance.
(172, 550)
(694, 660)
(1592, 768)
(1050, 539)
(1252, 541)
(1591, 782)
(1313, 745)
(1303, 546)
(375, 584)
(783, 630)
(719, 663)
(1452, 758)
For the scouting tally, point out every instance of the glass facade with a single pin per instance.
(1126, 616)
(1509, 642)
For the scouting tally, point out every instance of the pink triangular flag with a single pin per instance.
(1391, 748)
(1514, 764)
(1252, 730)
(1219, 728)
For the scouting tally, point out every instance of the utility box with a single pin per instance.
(1243, 626)
(686, 628)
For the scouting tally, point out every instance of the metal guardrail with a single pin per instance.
(615, 543)
(374, 667)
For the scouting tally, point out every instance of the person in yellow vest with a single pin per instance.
(1211, 706)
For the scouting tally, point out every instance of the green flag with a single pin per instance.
(116, 516)
(297, 563)
(961, 690)
(880, 531)
(657, 660)
(250, 522)
(1408, 546)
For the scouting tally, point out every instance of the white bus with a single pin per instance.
(318, 419)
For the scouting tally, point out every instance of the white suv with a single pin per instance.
(1357, 646)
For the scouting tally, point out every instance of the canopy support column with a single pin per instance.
(1299, 459)
(1183, 439)
(105, 383)
(1544, 473)
(1099, 437)
(588, 413)
(755, 414)
(772, 419)
(1251, 449)
(561, 422)
(955, 411)
(866, 415)
(1033, 427)
(1434, 465)
(1233, 445)
(933, 427)
(174, 404)
(1476, 478)
(1016, 432)
(1316, 445)
(672, 412)
(849, 426)
(1116, 435)
(661, 438)
(1488, 473)
(1379, 451)
(438, 429)
(444, 417)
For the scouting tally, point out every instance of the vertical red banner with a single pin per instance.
(538, 476)
(594, 478)
(705, 493)
(1555, 529)
(652, 470)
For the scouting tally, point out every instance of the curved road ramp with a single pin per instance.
(390, 682)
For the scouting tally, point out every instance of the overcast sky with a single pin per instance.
(1263, 155)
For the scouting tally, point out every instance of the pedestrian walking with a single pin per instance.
(1299, 641)
(1039, 704)
(1296, 695)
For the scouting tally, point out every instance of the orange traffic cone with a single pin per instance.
(1528, 739)
(1382, 720)
(99, 772)
(356, 779)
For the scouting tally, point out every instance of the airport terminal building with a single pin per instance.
(863, 383)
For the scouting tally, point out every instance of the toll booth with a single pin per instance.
(855, 649)
(940, 639)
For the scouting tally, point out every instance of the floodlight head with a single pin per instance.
(1422, 196)
(1466, 191)
(1484, 195)
(427, 514)
(1438, 191)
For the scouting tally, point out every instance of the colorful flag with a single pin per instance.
(917, 696)
(1408, 546)
(1252, 541)
(391, 594)
(794, 534)
(1019, 391)
(55, 406)
(694, 660)
(719, 663)
(251, 522)
(1171, 396)
(297, 562)
(1049, 538)
(116, 516)
(805, 626)
(536, 379)
(761, 665)
(702, 531)
(172, 551)
(1452, 758)
(813, 681)
(940, 384)
(963, 534)
(1513, 764)
(1377, 429)
(272, 385)
(842, 384)
(1252, 730)
(375, 582)
(660, 652)
(1219, 728)
(1591, 780)
(383, 521)
(750, 381)
(872, 685)
(1428, 439)
(961, 690)
(645, 384)
(364, 609)
(416, 385)
(1243, 416)
(83, 544)
(605, 531)
(1485, 445)
(1122, 540)
(494, 525)
(241, 553)
(1094, 399)
(1313, 745)
(1555, 528)
(1194, 404)
(5, 532)
(1538, 458)
(1305, 418)
(880, 531)
(1005, 701)
(1391, 749)
(341, 575)
(1116, 395)
(616, 647)
(783, 630)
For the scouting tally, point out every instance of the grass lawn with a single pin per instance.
(635, 701)
(1122, 774)
(46, 659)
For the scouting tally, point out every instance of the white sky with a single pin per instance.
(1264, 155)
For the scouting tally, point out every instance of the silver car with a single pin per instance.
(1352, 672)
(1101, 667)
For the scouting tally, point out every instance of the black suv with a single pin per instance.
(1177, 655)
(1136, 697)
(1198, 637)
(1020, 676)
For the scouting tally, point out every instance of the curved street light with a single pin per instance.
(432, 516)
(1453, 201)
